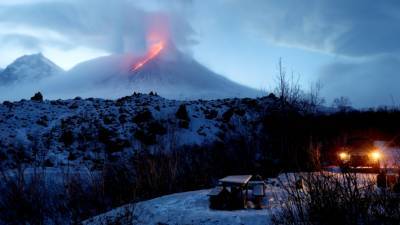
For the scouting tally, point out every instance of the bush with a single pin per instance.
(143, 116)
(37, 97)
(228, 114)
(182, 113)
(211, 114)
(145, 137)
(330, 199)
(156, 127)
(67, 137)
(184, 124)
(25, 199)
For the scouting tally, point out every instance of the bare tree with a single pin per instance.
(313, 98)
(342, 103)
(288, 88)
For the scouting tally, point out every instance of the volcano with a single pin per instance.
(163, 69)
(28, 68)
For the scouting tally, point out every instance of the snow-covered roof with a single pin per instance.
(236, 179)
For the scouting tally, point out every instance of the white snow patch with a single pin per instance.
(183, 208)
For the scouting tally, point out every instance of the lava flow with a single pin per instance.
(153, 52)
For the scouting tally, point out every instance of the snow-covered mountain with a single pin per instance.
(29, 68)
(178, 75)
(171, 73)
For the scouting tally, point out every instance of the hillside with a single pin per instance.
(171, 73)
(80, 131)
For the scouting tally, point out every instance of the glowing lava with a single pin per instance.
(154, 50)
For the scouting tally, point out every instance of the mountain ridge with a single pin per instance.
(172, 74)
(29, 68)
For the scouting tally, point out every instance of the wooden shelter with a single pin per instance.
(231, 193)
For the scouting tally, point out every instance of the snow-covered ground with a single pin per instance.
(192, 207)
(78, 131)
(183, 208)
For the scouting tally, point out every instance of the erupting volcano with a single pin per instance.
(163, 68)
(153, 51)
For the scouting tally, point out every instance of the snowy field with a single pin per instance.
(192, 207)
(182, 208)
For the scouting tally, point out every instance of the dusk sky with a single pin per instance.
(352, 47)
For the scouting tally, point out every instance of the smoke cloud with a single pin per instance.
(114, 26)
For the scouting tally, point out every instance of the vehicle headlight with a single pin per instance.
(375, 155)
(343, 156)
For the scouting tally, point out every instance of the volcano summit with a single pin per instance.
(163, 69)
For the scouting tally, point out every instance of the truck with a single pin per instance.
(360, 154)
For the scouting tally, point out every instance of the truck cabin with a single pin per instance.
(359, 153)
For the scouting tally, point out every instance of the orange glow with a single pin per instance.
(343, 156)
(153, 52)
(375, 155)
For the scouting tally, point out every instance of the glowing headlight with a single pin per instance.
(375, 155)
(343, 156)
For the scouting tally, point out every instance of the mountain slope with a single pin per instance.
(29, 68)
(177, 75)
(172, 74)
(70, 132)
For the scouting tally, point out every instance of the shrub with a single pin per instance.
(182, 113)
(156, 127)
(37, 97)
(330, 199)
(67, 137)
(143, 116)
(211, 114)
(228, 114)
(145, 137)
(184, 124)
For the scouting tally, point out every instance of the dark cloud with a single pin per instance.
(352, 28)
(362, 34)
(372, 82)
(115, 26)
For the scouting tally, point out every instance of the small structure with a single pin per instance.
(238, 192)
(231, 193)
(258, 193)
